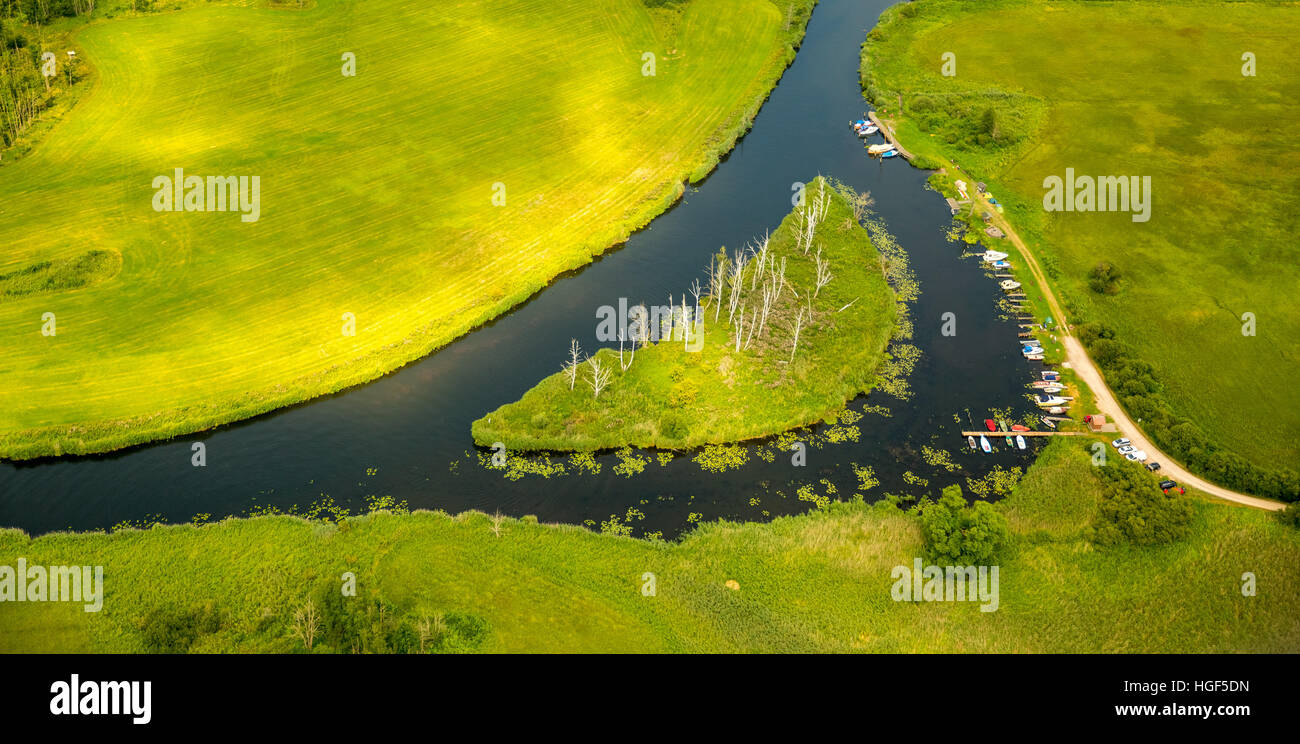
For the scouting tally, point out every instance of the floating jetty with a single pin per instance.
(1030, 433)
(888, 134)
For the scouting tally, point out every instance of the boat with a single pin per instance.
(971, 441)
(1051, 376)
(1020, 427)
(1001, 265)
(867, 131)
(1057, 410)
(1044, 384)
(1047, 401)
(1003, 426)
(1048, 422)
(991, 256)
(988, 424)
(1053, 389)
(984, 444)
(1020, 442)
(1009, 284)
(879, 149)
(890, 154)
(1034, 357)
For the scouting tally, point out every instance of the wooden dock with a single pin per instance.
(888, 134)
(1024, 433)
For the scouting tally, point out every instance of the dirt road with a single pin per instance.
(1107, 403)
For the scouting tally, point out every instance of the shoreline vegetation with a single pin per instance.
(781, 334)
(388, 334)
(1072, 568)
(1141, 295)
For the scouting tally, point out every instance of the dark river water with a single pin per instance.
(400, 435)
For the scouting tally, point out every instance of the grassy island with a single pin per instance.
(786, 330)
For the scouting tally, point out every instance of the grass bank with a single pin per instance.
(815, 582)
(769, 351)
(474, 156)
(1199, 328)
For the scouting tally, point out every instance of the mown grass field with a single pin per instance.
(376, 191)
(674, 398)
(1137, 88)
(816, 582)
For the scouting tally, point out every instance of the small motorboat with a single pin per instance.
(971, 442)
(1009, 284)
(868, 130)
(988, 424)
(1048, 422)
(1052, 388)
(1043, 384)
(1034, 357)
(991, 256)
(984, 444)
(1020, 427)
(1049, 401)
(1001, 265)
(1057, 410)
(1020, 442)
(1051, 376)
(890, 154)
(879, 149)
(1003, 425)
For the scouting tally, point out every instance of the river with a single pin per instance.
(400, 435)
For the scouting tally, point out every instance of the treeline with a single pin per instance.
(42, 12)
(24, 92)
(1133, 380)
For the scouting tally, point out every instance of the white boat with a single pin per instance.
(1057, 410)
(1001, 265)
(867, 131)
(1048, 422)
(1009, 284)
(971, 442)
(991, 256)
(1046, 401)
(984, 444)
(1051, 376)
(879, 149)
(1034, 357)
(1020, 441)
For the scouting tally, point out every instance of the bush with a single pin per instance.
(1104, 279)
(962, 535)
(172, 630)
(1134, 510)
(1290, 516)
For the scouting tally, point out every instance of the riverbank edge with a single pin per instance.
(96, 437)
(595, 579)
(935, 157)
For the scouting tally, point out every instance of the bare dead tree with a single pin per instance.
(306, 623)
(575, 358)
(642, 336)
(753, 323)
(824, 275)
(737, 284)
(597, 376)
(631, 357)
(739, 327)
(497, 519)
(696, 290)
(798, 326)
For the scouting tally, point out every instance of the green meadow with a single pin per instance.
(768, 350)
(1136, 89)
(478, 152)
(816, 582)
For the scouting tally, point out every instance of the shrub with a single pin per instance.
(1104, 279)
(1134, 510)
(959, 534)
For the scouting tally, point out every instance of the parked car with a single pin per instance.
(1127, 449)
(1168, 485)
(1136, 456)
(1118, 443)
(1153, 466)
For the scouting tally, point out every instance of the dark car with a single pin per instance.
(1153, 466)
(1169, 485)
